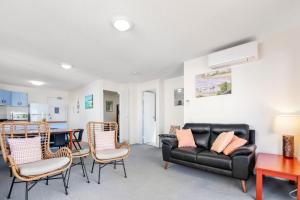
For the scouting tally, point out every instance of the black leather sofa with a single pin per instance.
(238, 165)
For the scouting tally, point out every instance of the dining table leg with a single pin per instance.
(71, 139)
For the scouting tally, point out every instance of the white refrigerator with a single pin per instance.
(38, 112)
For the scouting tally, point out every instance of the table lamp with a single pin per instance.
(288, 125)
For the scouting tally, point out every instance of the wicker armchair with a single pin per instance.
(51, 165)
(105, 157)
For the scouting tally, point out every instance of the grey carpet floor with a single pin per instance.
(146, 180)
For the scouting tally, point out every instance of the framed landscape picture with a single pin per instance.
(213, 83)
(88, 101)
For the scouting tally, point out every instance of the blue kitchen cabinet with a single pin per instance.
(19, 99)
(5, 97)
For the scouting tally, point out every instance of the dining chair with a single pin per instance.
(80, 151)
(105, 157)
(49, 166)
(77, 138)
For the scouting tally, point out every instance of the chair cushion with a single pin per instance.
(104, 140)
(80, 152)
(213, 159)
(186, 153)
(25, 150)
(185, 138)
(111, 153)
(43, 166)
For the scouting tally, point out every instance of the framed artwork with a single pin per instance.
(178, 97)
(88, 101)
(109, 106)
(213, 83)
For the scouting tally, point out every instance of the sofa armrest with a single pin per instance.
(243, 162)
(168, 145)
(244, 150)
(171, 142)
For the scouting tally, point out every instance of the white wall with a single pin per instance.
(260, 90)
(80, 120)
(174, 115)
(114, 97)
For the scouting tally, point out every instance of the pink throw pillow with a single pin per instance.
(185, 138)
(104, 140)
(222, 141)
(25, 150)
(235, 144)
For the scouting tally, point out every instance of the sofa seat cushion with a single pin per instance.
(213, 159)
(111, 153)
(186, 153)
(43, 166)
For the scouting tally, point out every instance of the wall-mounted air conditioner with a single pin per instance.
(235, 55)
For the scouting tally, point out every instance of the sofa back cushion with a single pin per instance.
(240, 130)
(201, 133)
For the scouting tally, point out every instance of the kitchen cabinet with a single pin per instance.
(5, 97)
(19, 99)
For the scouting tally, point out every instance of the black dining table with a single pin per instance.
(70, 132)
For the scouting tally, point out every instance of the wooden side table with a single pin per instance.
(276, 166)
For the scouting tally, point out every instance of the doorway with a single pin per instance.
(149, 118)
(111, 111)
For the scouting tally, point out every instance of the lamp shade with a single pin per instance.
(287, 124)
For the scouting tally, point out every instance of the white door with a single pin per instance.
(149, 118)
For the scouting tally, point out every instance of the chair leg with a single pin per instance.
(93, 167)
(125, 175)
(64, 181)
(10, 172)
(68, 173)
(115, 165)
(85, 171)
(81, 163)
(26, 191)
(166, 165)
(11, 187)
(47, 180)
(244, 186)
(99, 173)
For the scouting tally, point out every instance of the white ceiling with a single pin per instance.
(37, 35)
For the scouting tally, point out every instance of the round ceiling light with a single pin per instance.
(37, 83)
(121, 24)
(66, 66)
